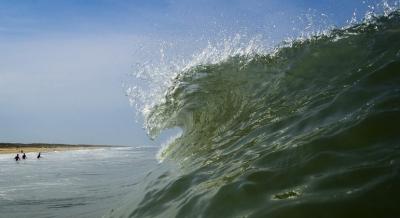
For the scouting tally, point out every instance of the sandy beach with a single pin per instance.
(12, 150)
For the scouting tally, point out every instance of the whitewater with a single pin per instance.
(81, 183)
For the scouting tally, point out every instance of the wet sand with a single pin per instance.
(37, 149)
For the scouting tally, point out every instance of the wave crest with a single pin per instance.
(305, 88)
(307, 129)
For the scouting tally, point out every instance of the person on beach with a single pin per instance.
(16, 157)
(24, 156)
(38, 156)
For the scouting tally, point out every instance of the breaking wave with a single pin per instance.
(309, 129)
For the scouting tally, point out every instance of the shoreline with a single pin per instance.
(31, 149)
(16, 148)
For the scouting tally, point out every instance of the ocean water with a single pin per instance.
(84, 183)
(309, 129)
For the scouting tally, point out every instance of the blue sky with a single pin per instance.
(63, 62)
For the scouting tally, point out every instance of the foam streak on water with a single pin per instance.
(84, 183)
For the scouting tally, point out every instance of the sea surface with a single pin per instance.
(82, 183)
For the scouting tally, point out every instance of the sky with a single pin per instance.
(64, 63)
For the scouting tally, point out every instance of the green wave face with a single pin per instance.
(309, 131)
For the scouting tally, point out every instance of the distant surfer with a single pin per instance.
(38, 156)
(24, 156)
(16, 157)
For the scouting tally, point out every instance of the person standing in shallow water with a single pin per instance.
(24, 156)
(16, 157)
(38, 156)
